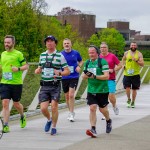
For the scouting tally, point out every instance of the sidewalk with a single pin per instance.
(130, 129)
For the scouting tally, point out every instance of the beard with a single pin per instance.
(8, 48)
(133, 49)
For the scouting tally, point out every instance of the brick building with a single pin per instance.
(83, 23)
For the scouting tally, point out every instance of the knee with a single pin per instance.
(92, 108)
(54, 109)
(16, 104)
(43, 108)
(5, 105)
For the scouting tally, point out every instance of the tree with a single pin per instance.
(112, 37)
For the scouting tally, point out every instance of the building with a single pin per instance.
(122, 26)
(83, 23)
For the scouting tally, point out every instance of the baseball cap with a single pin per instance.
(51, 37)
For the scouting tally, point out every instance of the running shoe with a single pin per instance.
(116, 110)
(68, 116)
(103, 118)
(6, 129)
(71, 118)
(129, 103)
(53, 131)
(108, 126)
(91, 133)
(133, 105)
(48, 126)
(23, 122)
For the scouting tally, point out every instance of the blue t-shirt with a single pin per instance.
(72, 59)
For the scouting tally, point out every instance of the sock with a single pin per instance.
(93, 127)
(6, 124)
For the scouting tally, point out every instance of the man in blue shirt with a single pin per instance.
(70, 82)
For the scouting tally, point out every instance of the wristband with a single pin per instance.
(19, 69)
(94, 76)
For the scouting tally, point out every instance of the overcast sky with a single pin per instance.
(136, 12)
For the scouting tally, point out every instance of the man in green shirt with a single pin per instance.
(97, 73)
(12, 64)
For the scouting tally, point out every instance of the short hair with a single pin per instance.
(96, 48)
(12, 37)
(104, 43)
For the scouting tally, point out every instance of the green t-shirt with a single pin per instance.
(8, 60)
(95, 85)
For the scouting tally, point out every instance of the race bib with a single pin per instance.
(7, 75)
(48, 72)
(93, 70)
(71, 68)
(130, 71)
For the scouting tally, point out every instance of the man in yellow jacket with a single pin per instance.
(132, 60)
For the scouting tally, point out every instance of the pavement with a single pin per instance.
(131, 129)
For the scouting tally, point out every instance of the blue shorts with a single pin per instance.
(112, 86)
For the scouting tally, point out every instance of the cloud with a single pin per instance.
(136, 12)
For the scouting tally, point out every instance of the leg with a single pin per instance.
(92, 132)
(19, 107)
(71, 99)
(44, 109)
(112, 99)
(92, 116)
(5, 111)
(128, 92)
(67, 99)
(134, 93)
(105, 112)
(54, 107)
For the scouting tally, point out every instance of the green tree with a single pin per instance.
(112, 37)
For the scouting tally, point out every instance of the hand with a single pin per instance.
(89, 74)
(57, 72)
(38, 70)
(14, 69)
(78, 69)
(111, 70)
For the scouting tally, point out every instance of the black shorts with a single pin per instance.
(10, 91)
(48, 93)
(132, 81)
(69, 83)
(101, 99)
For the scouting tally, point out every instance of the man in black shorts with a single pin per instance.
(13, 64)
(69, 83)
(132, 60)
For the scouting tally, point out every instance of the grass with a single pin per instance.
(31, 86)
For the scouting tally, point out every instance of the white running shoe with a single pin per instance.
(68, 118)
(71, 118)
(103, 118)
(116, 110)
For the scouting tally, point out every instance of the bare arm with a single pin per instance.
(118, 67)
(65, 72)
(140, 61)
(105, 76)
(22, 68)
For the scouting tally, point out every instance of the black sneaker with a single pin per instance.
(91, 133)
(108, 126)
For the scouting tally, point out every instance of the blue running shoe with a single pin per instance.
(53, 131)
(48, 126)
(108, 126)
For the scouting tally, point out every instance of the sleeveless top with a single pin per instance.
(131, 67)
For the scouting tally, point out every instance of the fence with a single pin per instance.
(119, 86)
